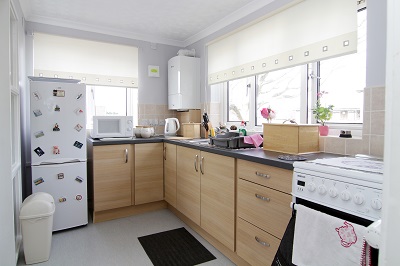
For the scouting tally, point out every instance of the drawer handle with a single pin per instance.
(262, 175)
(265, 244)
(126, 155)
(262, 197)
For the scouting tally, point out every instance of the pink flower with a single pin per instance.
(268, 113)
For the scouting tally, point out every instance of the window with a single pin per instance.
(281, 91)
(292, 92)
(239, 99)
(111, 101)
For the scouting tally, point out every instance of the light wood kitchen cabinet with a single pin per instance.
(170, 173)
(112, 176)
(206, 192)
(218, 197)
(149, 175)
(188, 183)
(263, 210)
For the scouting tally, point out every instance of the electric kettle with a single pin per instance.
(171, 126)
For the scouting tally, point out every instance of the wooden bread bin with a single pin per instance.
(291, 138)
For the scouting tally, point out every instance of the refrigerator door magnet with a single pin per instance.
(39, 134)
(38, 181)
(36, 95)
(62, 199)
(56, 127)
(78, 111)
(59, 93)
(78, 127)
(37, 112)
(56, 150)
(39, 151)
(78, 144)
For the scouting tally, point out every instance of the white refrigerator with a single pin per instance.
(58, 147)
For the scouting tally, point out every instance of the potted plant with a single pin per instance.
(322, 114)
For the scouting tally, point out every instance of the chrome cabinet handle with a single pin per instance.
(195, 163)
(262, 174)
(265, 244)
(201, 165)
(165, 153)
(126, 155)
(262, 197)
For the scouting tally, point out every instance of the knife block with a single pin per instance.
(204, 134)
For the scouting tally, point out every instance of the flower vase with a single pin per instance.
(323, 130)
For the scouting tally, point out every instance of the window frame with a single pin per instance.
(308, 96)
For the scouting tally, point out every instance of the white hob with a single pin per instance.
(348, 184)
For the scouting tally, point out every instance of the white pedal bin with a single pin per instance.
(36, 218)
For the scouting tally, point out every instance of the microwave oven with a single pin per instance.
(112, 127)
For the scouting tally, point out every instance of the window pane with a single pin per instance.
(343, 80)
(110, 101)
(279, 90)
(239, 99)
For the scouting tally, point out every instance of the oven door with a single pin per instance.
(285, 250)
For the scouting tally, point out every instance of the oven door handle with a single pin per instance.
(262, 197)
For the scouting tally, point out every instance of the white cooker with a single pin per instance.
(351, 185)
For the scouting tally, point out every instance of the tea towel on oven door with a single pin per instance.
(321, 239)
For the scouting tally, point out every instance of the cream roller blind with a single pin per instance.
(95, 63)
(308, 31)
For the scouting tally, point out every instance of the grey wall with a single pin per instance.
(151, 90)
(376, 43)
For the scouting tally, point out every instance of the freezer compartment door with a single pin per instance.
(57, 121)
(67, 183)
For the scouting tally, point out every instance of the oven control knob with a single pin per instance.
(311, 187)
(322, 189)
(376, 204)
(345, 195)
(333, 192)
(358, 198)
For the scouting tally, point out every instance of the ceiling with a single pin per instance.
(176, 22)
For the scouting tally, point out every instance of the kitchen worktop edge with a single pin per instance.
(257, 155)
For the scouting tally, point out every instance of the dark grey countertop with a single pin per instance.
(257, 155)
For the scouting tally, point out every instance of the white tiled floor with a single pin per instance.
(115, 242)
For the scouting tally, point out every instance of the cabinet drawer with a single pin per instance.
(254, 245)
(270, 176)
(266, 208)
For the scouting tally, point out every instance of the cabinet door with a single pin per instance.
(188, 183)
(112, 176)
(170, 173)
(149, 176)
(218, 197)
